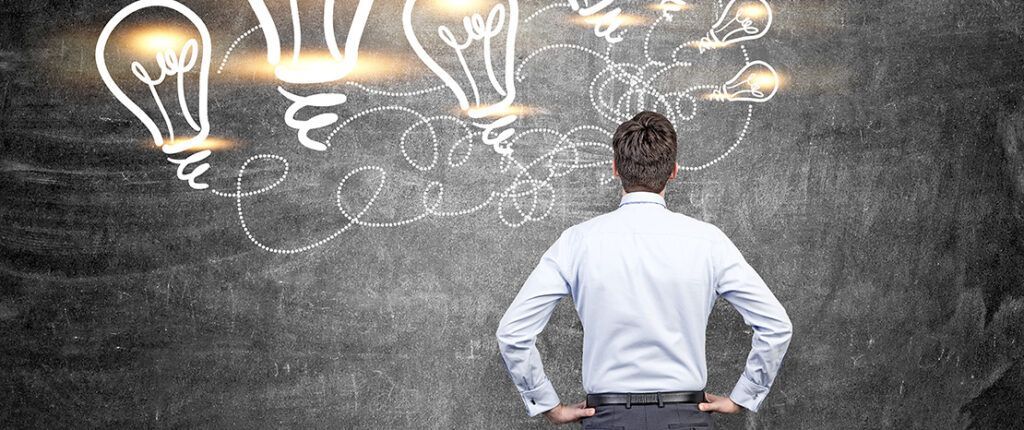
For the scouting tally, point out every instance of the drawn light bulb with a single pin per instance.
(174, 60)
(740, 21)
(489, 102)
(298, 71)
(757, 82)
(312, 66)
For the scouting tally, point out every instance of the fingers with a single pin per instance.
(562, 414)
(580, 410)
(714, 403)
(719, 404)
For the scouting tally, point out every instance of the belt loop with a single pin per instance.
(629, 400)
(660, 403)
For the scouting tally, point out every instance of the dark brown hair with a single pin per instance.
(645, 152)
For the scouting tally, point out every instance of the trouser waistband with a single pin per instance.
(658, 398)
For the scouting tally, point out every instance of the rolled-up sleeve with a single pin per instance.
(525, 319)
(743, 288)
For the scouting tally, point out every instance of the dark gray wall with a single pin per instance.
(880, 195)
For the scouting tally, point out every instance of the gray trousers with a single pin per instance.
(683, 416)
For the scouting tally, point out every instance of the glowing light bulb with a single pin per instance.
(298, 71)
(757, 82)
(312, 68)
(176, 57)
(740, 21)
(488, 102)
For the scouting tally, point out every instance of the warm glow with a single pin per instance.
(753, 11)
(151, 40)
(459, 7)
(718, 97)
(211, 143)
(320, 64)
(373, 66)
(763, 80)
(707, 44)
(624, 20)
(514, 109)
(369, 66)
(669, 7)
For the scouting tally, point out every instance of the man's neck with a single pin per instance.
(662, 193)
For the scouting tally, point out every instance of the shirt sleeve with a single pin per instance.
(524, 320)
(744, 289)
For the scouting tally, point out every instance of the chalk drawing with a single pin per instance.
(526, 191)
(757, 82)
(170, 64)
(317, 121)
(299, 71)
(670, 8)
(293, 71)
(500, 21)
(740, 21)
(606, 20)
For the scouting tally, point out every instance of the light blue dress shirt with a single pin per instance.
(644, 280)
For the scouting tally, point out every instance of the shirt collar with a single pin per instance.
(637, 197)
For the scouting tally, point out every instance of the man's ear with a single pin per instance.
(675, 171)
(615, 171)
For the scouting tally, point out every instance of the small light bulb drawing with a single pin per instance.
(740, 21)
(491, 105)
(757, 82)
(300, 70)
(176, 57)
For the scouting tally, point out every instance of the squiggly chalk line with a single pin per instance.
(528, 197)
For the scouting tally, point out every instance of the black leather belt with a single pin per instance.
(630, 399)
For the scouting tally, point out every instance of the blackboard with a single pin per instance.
(878, 189)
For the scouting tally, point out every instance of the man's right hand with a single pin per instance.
(719, 404)
(563, 414)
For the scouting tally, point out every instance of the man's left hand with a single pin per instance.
(720, 404)
(562, 414)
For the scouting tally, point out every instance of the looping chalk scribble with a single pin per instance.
(475, 59)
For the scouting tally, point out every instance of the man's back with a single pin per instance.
(643, 288)
(643, 280)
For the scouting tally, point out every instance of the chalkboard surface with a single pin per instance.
(349, 271)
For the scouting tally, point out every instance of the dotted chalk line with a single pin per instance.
(530, 194)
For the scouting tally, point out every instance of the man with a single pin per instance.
(644, 280)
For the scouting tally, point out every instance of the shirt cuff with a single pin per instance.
(748, 394)
(540, 399)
